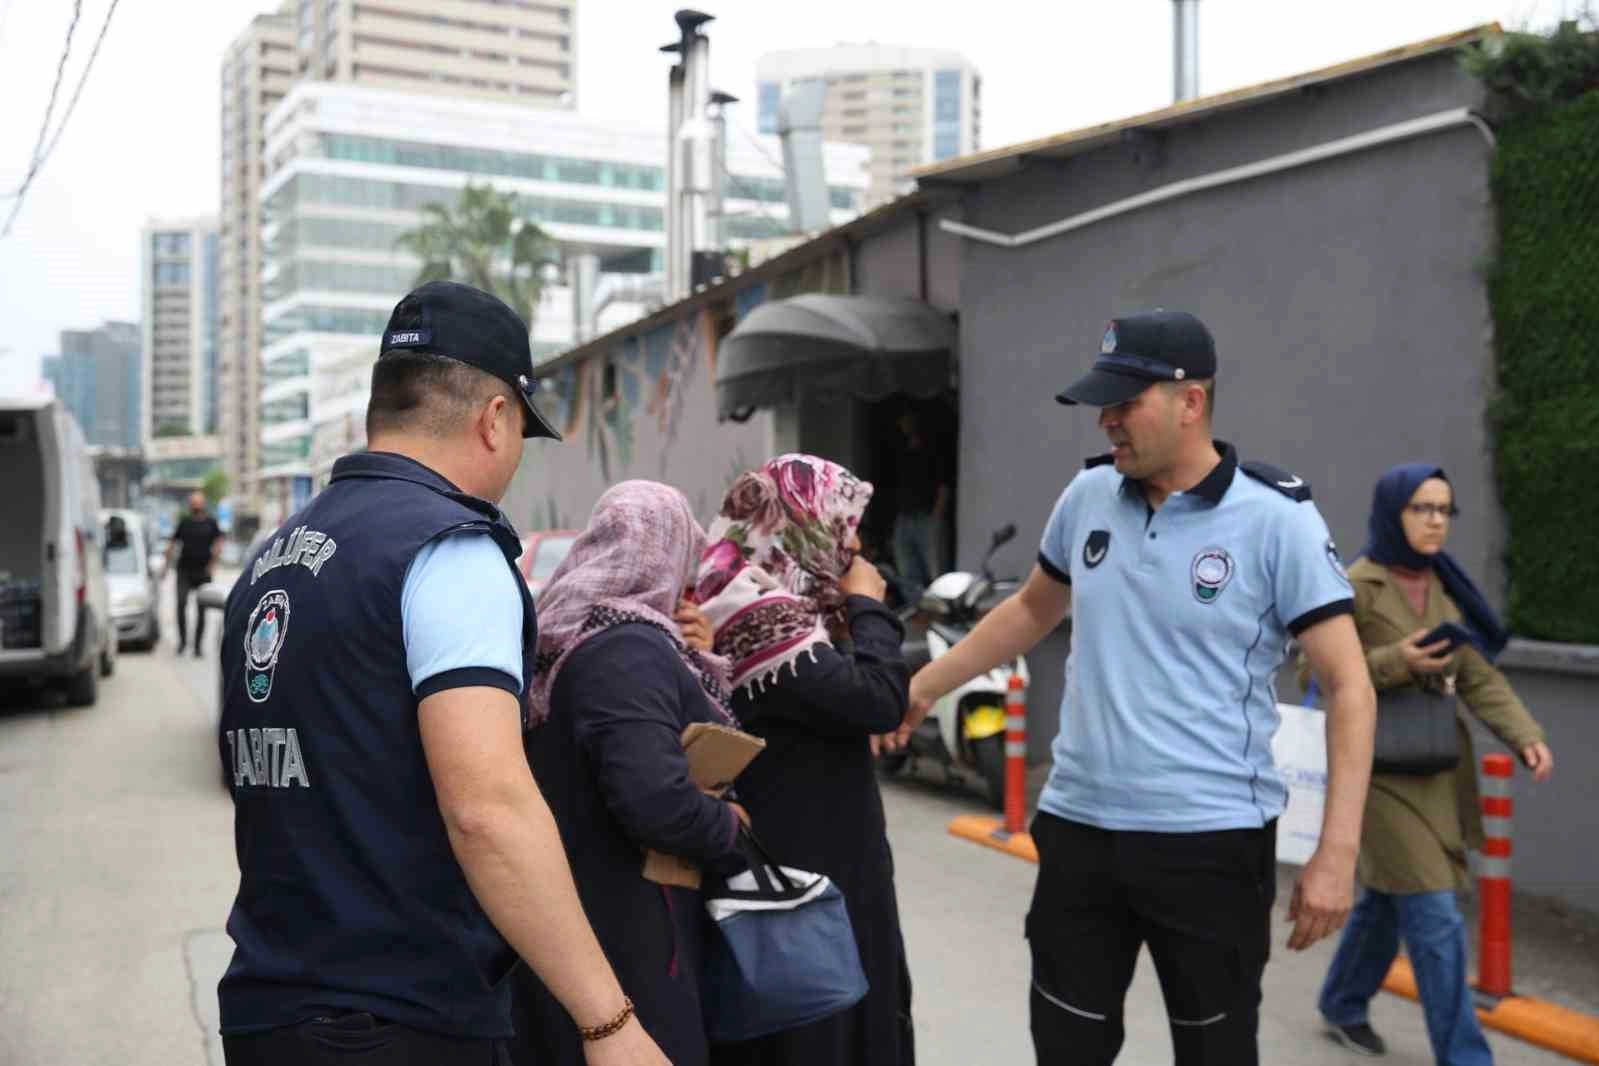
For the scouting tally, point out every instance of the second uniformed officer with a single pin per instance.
(395, 854)
(1186, 573)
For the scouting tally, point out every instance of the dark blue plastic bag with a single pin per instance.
(782, 955)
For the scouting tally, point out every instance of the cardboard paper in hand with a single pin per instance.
(716, 755)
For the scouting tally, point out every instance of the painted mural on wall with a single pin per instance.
(646, 409)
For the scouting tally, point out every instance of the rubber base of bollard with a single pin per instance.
(990, 832)
(1567, 1032)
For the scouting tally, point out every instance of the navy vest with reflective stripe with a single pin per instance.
(350, 898)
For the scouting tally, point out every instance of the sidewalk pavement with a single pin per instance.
(962, 907)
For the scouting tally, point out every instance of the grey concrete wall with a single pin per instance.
(1556, 823)
(1346, 300)
(660, 426)
(943, 263)
(886, 263)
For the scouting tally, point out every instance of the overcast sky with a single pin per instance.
(143, 141)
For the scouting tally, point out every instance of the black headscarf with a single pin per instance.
(1386, 544)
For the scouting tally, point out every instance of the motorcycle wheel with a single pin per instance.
(990, 757)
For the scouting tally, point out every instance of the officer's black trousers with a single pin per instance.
(359, 1039)
(1200, 901)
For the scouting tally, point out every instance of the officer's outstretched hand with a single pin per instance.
(631, 1046)
(1322, 899)
(921, 702)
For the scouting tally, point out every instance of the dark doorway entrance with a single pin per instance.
(912, 448)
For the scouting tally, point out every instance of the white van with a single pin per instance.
(55, 617)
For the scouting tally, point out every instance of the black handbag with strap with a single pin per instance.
(1416, 733)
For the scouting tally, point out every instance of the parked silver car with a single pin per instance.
(131, 580)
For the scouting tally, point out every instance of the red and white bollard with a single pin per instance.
(1016, 755)
(1493, 881)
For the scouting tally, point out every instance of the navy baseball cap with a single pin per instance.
(1139, 350)
(472, 327)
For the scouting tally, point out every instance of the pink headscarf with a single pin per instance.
(631, 564)
(769, 580)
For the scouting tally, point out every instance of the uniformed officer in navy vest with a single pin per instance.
(395, 854)
(1187, 573)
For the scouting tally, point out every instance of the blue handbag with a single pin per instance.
(783, 953)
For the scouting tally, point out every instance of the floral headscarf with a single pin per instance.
(769, 580)
(631, 564)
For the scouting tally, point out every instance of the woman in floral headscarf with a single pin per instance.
(614, 686)
(817, 671)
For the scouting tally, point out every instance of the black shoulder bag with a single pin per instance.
(1416, 732)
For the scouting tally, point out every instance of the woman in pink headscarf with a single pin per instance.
(614, 687)
(816, 671)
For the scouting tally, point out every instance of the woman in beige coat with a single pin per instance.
(1418, 827)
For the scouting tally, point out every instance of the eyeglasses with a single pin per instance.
(1441, 511)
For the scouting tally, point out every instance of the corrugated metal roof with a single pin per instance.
(983, 166)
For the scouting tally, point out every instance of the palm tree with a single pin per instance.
(484, 242)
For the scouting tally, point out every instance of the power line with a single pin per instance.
(50, 106)
(78, 91)
(83, 79)
(759, 147)
(750, 191)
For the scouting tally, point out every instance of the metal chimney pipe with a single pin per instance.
(583, 274)
(1185, 49)
(718, 204)
(676, 285)
(695, 138)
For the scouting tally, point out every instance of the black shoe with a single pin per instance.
(1362, 1038)
(197, 652)
(181, 646)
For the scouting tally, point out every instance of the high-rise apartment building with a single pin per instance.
(257, 72)
(349, 169)
(178, 309)
(97, 378)
(512, 51)
(910, 106)
(516, 50)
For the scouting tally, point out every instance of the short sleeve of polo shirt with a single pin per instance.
(463, 617)
(1310, 585)
(1054, 550)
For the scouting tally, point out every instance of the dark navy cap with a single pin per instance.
(472, 327)
(1139, 350)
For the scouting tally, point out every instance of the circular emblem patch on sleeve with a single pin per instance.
(1337, 563)
(263, 641)
(1212, 570)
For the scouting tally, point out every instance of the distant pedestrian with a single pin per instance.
(922, 492)
(1418, 826)
(196, 545)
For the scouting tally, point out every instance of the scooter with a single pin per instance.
(965, 731)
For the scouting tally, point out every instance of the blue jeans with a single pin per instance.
(914, 538)
(1435, 939)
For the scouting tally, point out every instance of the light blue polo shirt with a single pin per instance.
(462, 614)
(1180, 620)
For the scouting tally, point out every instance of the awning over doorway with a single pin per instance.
(866, 346)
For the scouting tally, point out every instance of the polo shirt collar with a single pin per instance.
(390, 465)
(1211, 489)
